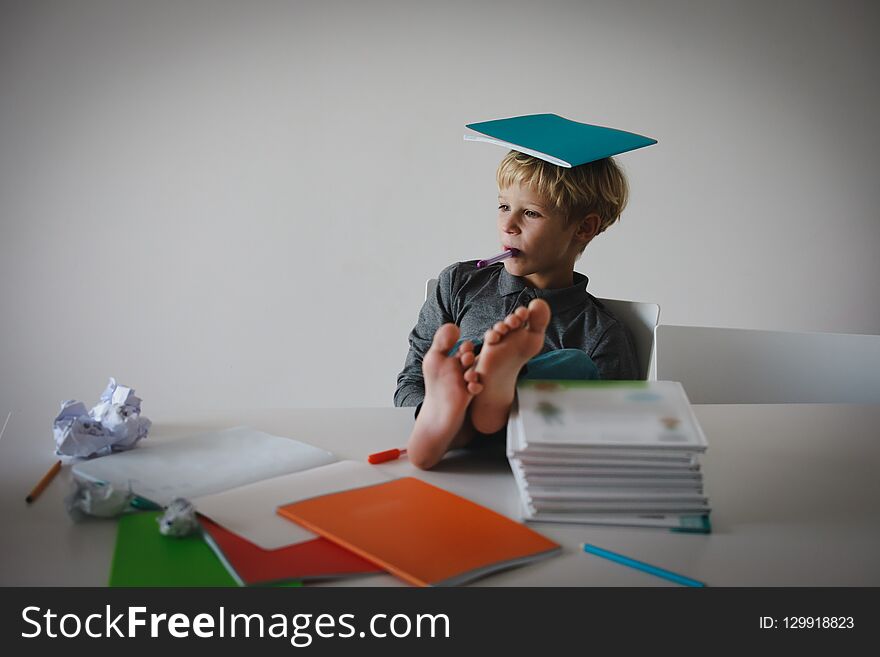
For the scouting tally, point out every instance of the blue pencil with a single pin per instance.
(641, 565)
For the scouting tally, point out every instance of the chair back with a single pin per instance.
(640, 318)
(748, 366)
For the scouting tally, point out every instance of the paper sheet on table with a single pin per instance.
(203, 464)
(249, 511)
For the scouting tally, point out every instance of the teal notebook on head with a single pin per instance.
(557, 140)
(144, 557)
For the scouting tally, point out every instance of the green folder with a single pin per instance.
(557, 140)
(144, 557)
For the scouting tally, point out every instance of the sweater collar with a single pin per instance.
(559, 299)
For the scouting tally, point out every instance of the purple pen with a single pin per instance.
(501, 256)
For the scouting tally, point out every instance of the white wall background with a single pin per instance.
(237, 204)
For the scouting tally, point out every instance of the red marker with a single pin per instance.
(387, 455)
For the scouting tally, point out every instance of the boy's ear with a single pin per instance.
(588, 228)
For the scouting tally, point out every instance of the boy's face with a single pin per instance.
(548, 245)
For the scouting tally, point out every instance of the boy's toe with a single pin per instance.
(513, 321)
(501, 328)
(539, 315)
(445, 338)
(492, 336)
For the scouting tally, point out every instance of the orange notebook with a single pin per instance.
(421, 533)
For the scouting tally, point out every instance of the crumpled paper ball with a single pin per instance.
(179, 519)
(93, 498)
(113, 425)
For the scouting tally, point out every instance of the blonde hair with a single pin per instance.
(598, 186)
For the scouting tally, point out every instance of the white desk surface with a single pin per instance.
(794, 490)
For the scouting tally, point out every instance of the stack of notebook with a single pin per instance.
(608, 452)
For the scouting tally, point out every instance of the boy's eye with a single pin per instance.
(528, 213)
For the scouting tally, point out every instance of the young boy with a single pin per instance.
(532, 310)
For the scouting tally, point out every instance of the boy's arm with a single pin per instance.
(436, 311)
(615, 355)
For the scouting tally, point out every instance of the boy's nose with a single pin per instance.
(509, 224)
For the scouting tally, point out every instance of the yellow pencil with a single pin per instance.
(41, 485)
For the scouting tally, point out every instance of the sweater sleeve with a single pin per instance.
(436, 311)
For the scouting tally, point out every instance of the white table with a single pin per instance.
(794, 490)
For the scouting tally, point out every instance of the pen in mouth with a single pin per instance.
(501, 256)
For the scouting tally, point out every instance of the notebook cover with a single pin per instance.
(144, 557)
(565, 142)
(423, 534)
(317, 558)
(613, 415)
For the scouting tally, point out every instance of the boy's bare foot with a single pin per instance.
(507, 347)
(450, 384)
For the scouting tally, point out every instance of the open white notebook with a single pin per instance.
(249, 510)
(202, 464)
